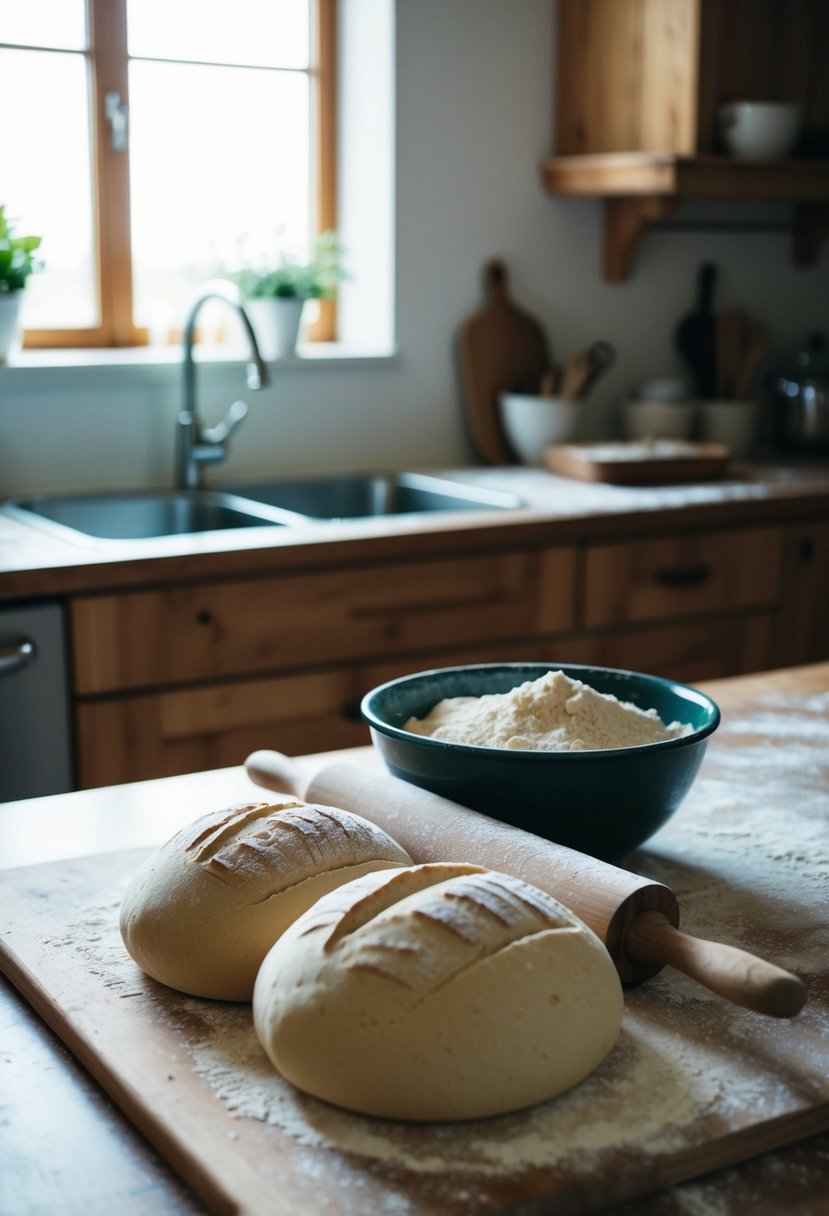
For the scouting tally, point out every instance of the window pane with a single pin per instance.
(45, 181)
(262, 33)
(220, 171)
(44, 23)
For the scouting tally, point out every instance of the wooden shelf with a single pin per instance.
(636, 173)
(645, 188)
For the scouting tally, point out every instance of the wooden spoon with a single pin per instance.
(575, 376)
(732, 327)
(754, 351)
(602, 356)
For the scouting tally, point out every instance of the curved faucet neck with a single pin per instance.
(195, 445)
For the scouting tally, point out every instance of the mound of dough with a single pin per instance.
(437, 992)
(202, 912)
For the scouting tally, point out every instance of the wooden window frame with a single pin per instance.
(109, 72)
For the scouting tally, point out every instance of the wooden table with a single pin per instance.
(65, 1148)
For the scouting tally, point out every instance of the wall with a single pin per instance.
(474, 88)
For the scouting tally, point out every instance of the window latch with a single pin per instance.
(117, 115)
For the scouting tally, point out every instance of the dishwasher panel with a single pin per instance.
(35, 722)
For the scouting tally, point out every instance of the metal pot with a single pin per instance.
(800, 399)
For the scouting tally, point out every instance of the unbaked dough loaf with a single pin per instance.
(437, 992)
(202, 912)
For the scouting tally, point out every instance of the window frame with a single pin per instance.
(108, 71)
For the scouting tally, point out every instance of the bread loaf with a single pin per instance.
(202, 912)
(437, 992)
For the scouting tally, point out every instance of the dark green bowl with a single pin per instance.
(603, 802)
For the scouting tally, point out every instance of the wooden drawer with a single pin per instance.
(682, 576)
(803, 634)
(175, 635)
(160, 734)
(689, 652)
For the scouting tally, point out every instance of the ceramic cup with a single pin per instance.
(733, 423)
(759, 130)
(530, 423)
(658, 419)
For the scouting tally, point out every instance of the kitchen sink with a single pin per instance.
(167, 513)
(360, 496)
(144, 516)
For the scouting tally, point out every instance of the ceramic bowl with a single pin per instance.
(603, 802)
(531, 423)
(759, 130)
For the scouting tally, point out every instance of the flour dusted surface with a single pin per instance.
(688, 1064)
(553, 713)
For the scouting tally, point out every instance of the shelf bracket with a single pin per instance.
(627, 222)
(811, 228)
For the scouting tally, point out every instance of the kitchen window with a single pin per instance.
(157, 143)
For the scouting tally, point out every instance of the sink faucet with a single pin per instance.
(196, 444)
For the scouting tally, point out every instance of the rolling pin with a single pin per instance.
(636, 918)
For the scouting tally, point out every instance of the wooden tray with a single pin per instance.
(639, 462)
(694, 1083)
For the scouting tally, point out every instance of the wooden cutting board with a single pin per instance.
(639, 463)
(693, 1084)
(501, 349)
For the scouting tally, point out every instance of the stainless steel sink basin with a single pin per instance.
(143, 516)
(154, 515)
(360, 496)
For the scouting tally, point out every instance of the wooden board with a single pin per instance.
(501, 349)
(639, 462)
(694, 1083)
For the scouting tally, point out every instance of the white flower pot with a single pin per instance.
(10, 305)
(276, 322)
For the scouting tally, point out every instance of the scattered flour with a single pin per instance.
(553, 713)
(647, 1091)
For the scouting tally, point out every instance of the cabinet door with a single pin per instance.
(689, 652)
(803, 634)
(160, 734)
(682, 576)
(194, 633)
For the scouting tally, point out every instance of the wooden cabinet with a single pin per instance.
(682, 576)
(638, 86)
(803, 636)
(180, 634)
(195, 676)
(189, 677)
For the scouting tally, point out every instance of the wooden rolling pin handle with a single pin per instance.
(274, 771)
(731, 973)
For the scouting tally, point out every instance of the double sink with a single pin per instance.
(283, 503)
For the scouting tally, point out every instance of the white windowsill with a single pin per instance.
(308, 355)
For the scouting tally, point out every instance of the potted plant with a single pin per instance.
(17, 262)
(276, 298)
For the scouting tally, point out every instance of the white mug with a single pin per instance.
(759, 130)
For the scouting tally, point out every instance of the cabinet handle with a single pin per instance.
(14, 656)
(806, 550)
(683, 576)
(350, 710)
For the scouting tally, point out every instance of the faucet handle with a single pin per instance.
(256, 375)
(222, 431)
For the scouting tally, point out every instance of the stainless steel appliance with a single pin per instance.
(801, 400)
(35, 732)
